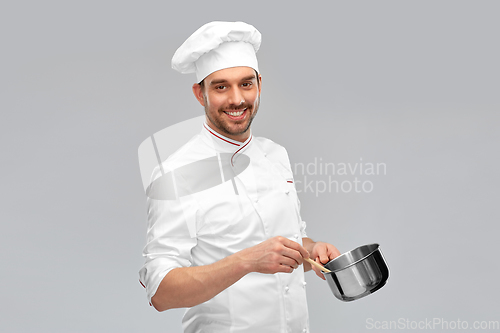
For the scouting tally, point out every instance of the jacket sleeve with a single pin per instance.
(170, 237)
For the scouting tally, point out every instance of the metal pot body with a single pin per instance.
(357, 273)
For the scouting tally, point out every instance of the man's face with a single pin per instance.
(231, 99)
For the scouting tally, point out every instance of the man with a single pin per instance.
(231, 250)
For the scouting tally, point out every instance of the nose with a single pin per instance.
(236, 97)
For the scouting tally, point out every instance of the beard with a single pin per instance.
(228, 128)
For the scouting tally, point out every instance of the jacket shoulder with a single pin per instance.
(190, 152)
(274, 151)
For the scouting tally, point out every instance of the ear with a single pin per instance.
(260, 83)
(198, 94)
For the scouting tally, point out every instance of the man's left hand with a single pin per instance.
(321, 253)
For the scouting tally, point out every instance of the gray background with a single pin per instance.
(412, 84)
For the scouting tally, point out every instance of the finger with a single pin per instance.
(318, 260)
(286, 261)
(292, 254)
(285, 269)
(318, 272)
(296, 246)
(322, 255)
(333, 252)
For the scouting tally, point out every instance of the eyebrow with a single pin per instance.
(247, 78)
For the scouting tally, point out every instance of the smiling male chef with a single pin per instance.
(231, 253)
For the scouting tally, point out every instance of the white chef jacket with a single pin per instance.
(203, 227)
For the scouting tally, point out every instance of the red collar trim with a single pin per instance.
(208, 129)
(240, 149)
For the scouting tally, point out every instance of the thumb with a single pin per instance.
(323, 258)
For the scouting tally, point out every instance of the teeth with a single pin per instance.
(235, 114)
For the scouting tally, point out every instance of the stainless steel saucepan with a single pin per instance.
(357, 273)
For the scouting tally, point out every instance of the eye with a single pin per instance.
(220, 87)
(246, 84)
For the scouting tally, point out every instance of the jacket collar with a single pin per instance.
(221, 142)
(224, 144)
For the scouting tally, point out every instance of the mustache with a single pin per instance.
(234, 107)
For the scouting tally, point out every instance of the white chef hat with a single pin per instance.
(218, 45)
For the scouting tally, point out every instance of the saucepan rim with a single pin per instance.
(377, 246)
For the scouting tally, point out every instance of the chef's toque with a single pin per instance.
(218, 45)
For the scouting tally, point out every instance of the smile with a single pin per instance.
(236, 115)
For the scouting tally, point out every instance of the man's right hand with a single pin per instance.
(190, 286)
(275, 255)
